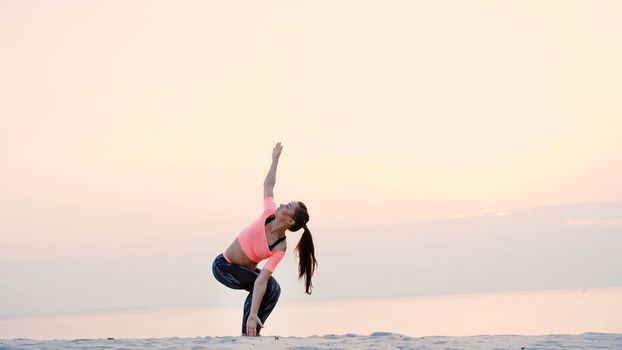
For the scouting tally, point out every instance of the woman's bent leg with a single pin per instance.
(233, 276)
(239, 277)
(270, 298)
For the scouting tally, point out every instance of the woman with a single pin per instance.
(264, 239)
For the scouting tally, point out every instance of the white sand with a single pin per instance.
(377, 340)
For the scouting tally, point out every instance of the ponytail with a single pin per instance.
(305, 250)
(306, 259)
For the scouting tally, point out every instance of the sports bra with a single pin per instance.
(268, 220)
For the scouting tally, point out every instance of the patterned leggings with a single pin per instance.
(239, 277)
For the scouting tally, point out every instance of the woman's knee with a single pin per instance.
(274, 289)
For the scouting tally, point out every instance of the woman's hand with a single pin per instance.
(251, 325)
(276, 152)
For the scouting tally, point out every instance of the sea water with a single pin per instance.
(568, 311)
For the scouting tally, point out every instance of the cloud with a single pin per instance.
(479, 214)
(576, 222)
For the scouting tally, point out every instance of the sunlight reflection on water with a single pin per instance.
(570, 311)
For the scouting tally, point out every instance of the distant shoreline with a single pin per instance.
(565, 311)
(292, 302)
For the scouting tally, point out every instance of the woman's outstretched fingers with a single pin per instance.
(276, 152)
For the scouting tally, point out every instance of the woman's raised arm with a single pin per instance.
(270, 181)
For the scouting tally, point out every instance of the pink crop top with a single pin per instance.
(253, 239)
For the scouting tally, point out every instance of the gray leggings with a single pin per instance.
(239, 277)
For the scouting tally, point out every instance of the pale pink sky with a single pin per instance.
(132, 116)
(135, 137)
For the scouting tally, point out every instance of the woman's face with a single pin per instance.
(286, 211)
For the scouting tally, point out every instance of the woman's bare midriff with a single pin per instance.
(237, 256)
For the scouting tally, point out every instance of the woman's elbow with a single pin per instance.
(262, 279)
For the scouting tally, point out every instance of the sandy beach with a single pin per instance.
(376, 340)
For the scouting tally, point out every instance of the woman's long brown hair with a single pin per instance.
(305, 249)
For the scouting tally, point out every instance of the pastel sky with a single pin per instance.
(128, 123)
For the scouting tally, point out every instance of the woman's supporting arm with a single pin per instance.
(259, 290)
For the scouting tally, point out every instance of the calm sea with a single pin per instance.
(568, 311)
